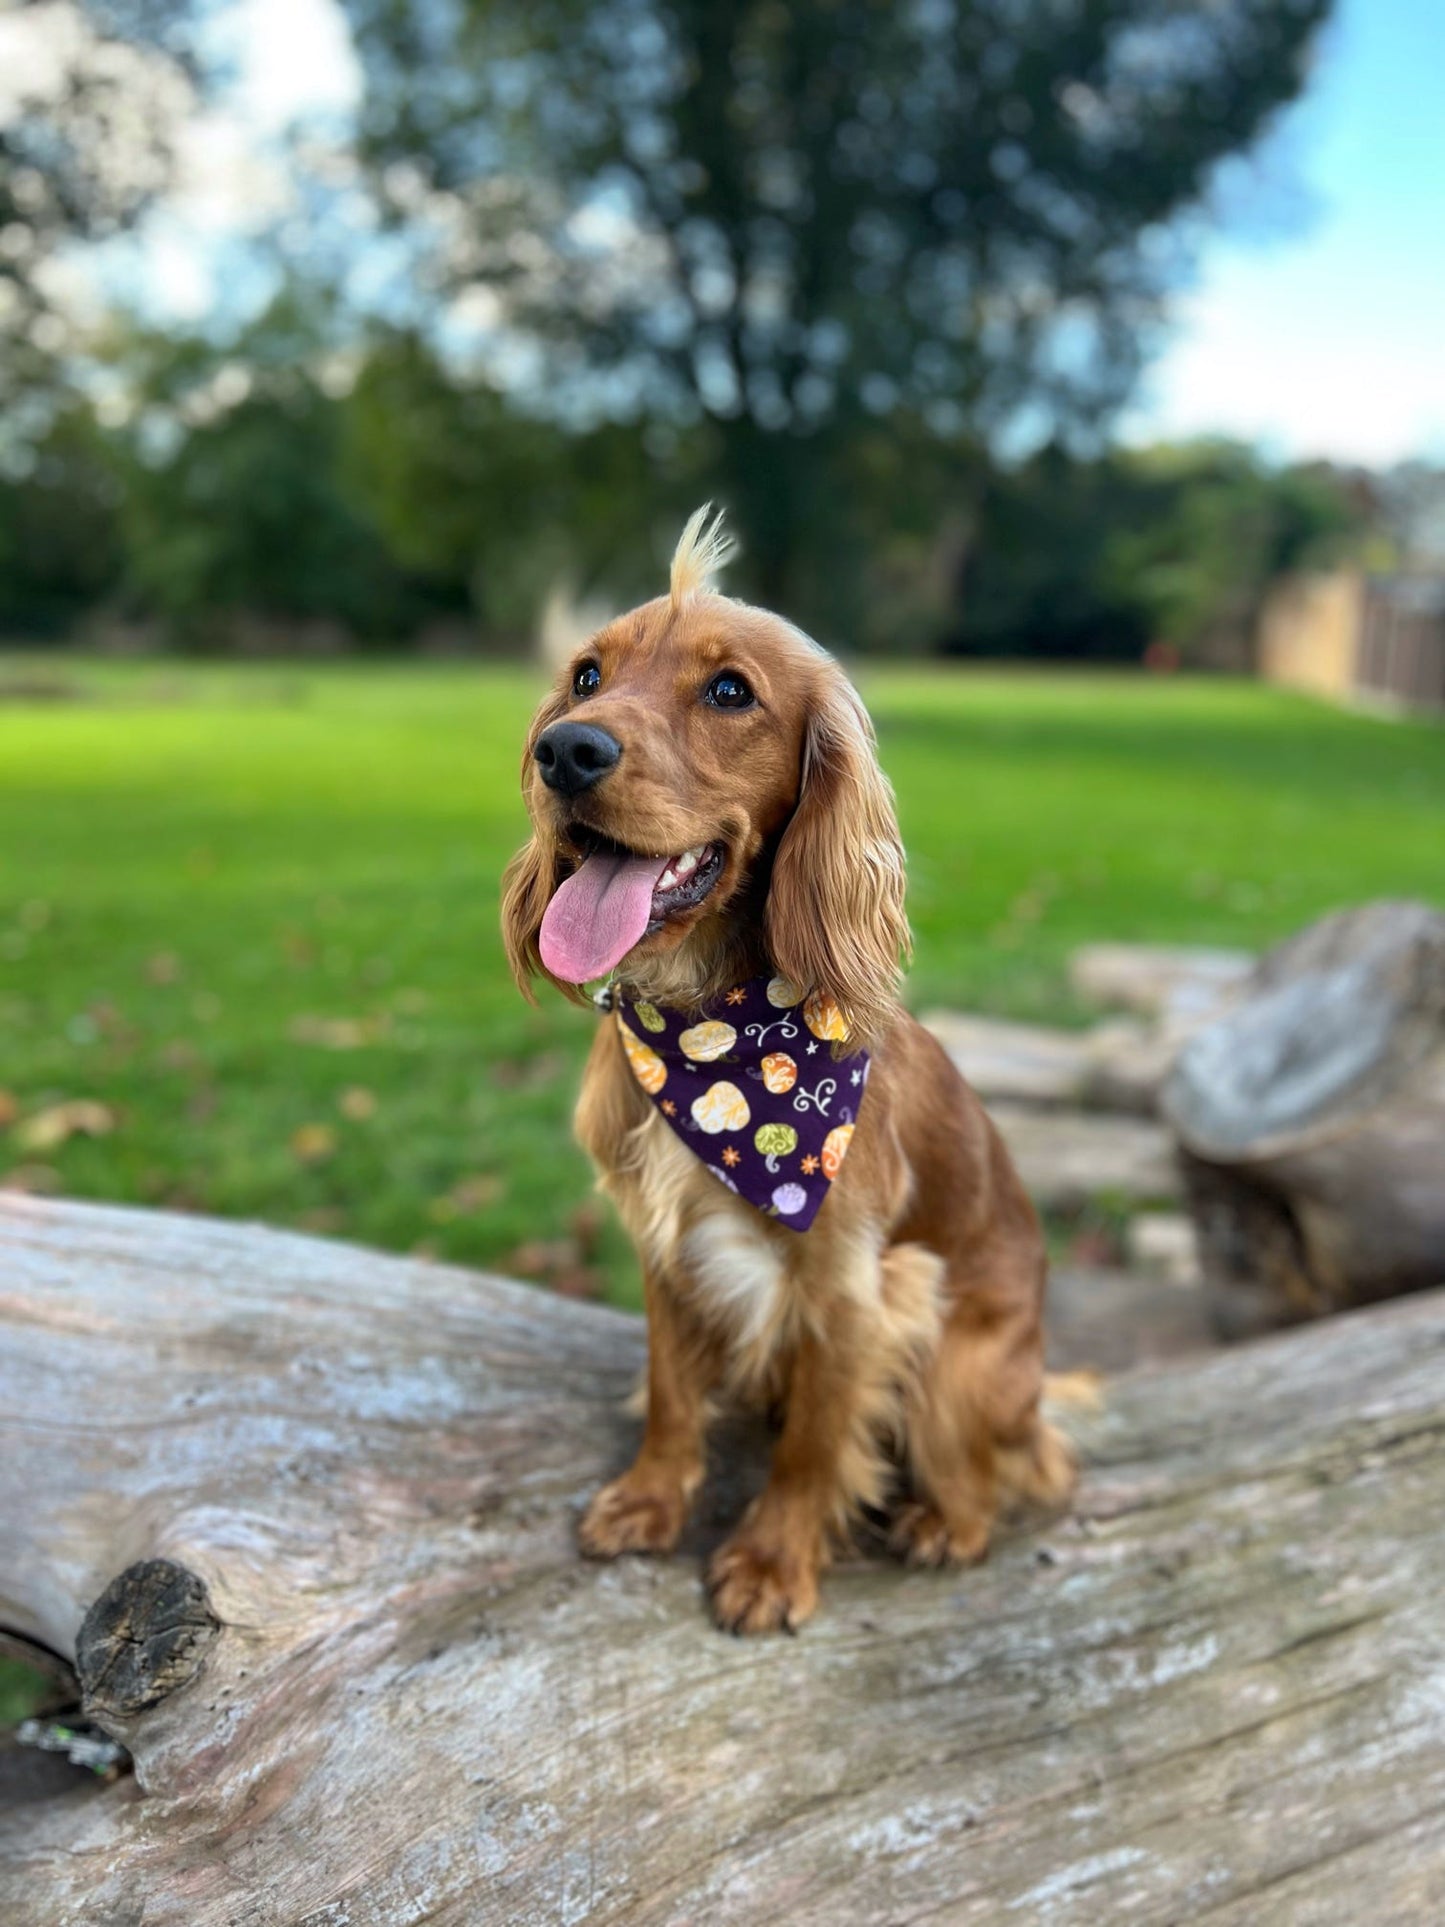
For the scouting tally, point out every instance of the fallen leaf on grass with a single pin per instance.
(530, 1073)
(49, 1129)
(338, 1033)
(32, 1180)
(357, 1103)
(326, 1219)
(587, 1222)
(179, 1055)
(558, 1263)
(311, 1143)
(9, 1109)
(466, 1195)
(163, 968)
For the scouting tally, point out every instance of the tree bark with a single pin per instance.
(305, 1516)
(1312, 1121)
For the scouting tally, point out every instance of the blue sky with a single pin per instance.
(1315, 324)
(1330, 339)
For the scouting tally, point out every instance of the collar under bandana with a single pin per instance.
(753, 1089)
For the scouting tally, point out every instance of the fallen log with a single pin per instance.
(1312, 1121)
(1177, 983)
(1069, 1158)
(304, 1518)
(1117, 1066)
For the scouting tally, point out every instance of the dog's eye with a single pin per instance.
(587, 681)
(729, 691)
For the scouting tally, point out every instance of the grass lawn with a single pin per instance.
(252, 912)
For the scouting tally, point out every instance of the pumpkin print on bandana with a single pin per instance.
(753, 1089)
(722, 1107)
(824, 1019)
(780, 1073)
(705, 1043)
(647, 1067)
(835, 1148)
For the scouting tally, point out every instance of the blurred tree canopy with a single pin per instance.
(88, 112)
(1171, 545)
(835, 263)
(786, 221)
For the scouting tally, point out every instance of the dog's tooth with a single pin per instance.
(667, 879)
(686, 863)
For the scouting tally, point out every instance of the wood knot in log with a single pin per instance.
(146, 1636)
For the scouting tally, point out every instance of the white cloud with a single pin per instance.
(1308, 363)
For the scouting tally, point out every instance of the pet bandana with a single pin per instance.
(753, 1089)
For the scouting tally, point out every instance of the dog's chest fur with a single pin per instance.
(730, 1260)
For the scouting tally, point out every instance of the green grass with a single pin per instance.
(205, 871)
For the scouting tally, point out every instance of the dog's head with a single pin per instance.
(704, 790)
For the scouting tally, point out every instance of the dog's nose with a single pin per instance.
(574, 756)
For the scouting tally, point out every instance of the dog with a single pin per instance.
(829, 1226)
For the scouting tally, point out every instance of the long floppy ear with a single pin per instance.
(835, 917)
(528, 885)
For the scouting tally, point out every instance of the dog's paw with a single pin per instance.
(757, 1589)
(633, 1515)
(921, 1535)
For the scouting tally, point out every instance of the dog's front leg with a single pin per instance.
(826, 1463)
(646, 1509)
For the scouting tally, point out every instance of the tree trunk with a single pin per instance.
(303, 1516)
(1312, 1121)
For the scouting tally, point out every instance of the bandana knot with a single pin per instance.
(751, 1087)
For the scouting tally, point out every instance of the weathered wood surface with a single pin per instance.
(1217, 1693)
(1116, 1066)
(1180, 983)
(1066, 1158)
(1312, 1119)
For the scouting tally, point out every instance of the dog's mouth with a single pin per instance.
(616, 897)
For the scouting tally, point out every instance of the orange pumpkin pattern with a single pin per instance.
(780, 1073)
(647, 1067)
(835, 1149)
(823, 1017)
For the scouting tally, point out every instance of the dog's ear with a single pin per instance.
(529, 883)
(835, 917)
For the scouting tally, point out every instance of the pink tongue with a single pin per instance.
(598, 914)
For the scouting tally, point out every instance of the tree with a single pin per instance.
(1175, 544)
(234, 503)
(471, 491)
(61, 549)
(90, 98)
(786, 220)
(1214, 527)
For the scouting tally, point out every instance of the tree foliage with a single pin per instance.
(91, 95)
(1174, 545)
(787, 218)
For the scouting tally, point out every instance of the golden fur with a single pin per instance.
(904, 1326)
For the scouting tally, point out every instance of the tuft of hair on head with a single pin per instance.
(703, 548)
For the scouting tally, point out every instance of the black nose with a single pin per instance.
(574, 756)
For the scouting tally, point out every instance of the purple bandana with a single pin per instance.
(753, 1089)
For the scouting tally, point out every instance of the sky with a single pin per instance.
(1330, 340)
(1315, 324)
